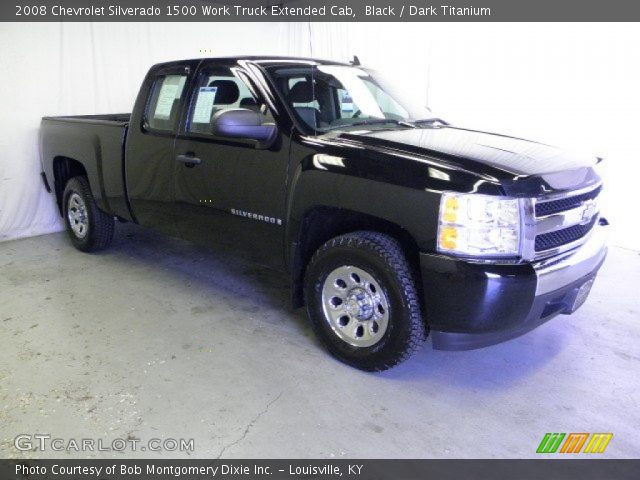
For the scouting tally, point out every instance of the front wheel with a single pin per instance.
(89, 228)
(362, 301)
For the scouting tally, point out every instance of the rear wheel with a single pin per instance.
(89, 228)
(362, 301)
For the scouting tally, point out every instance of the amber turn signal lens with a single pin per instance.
(450, 210)
(448, 238)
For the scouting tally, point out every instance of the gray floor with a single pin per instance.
(156, 338)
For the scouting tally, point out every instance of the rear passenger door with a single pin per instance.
(149, 159)
(231, 193)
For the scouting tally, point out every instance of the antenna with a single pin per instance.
(355, 62)
(313, 83)
(428, 84)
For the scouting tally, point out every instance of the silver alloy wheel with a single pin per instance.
(77, 215)
(355, 306)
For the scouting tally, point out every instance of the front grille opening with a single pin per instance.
(555, 206)
(567, 235)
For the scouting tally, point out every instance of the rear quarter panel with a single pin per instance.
(98, 146)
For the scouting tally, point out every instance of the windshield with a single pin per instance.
(333, 97)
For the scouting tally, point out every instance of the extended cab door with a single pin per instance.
(149, 158)
(227, 191)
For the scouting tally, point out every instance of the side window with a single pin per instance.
(163, 106)
(218, 89)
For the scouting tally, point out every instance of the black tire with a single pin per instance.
(99, 230)
(382, 257)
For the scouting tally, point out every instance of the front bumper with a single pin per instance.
(472, 305)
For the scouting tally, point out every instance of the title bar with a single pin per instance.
(319, 11)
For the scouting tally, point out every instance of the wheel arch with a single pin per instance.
(321, 223)
(64, 169)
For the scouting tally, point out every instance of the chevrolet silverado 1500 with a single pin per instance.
(392, 224)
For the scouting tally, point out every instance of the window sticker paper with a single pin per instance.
(204, 104)
(165, 101)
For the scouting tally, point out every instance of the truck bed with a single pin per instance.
(97, 143)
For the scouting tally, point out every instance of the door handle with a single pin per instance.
(189, 159)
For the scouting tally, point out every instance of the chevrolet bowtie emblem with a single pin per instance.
(589, 209)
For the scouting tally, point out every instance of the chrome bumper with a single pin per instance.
(555, 273)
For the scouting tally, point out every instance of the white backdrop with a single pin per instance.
(575, 85)
(568, 84)
(85, 68)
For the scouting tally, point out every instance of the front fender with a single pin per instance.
(413, 210)
(400, 188)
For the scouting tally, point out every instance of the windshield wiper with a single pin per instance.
(378, 121)
(430, 120)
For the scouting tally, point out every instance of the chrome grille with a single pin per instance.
(567, 203)
(562, 222)
(567, 235)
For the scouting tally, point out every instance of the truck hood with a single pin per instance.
(505, 156)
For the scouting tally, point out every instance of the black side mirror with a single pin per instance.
(242, 123)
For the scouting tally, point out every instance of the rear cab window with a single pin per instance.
(164, 103)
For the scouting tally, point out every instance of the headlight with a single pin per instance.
(479, 225)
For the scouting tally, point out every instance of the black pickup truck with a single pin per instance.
(391, 223)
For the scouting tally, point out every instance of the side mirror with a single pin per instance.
(242, 123)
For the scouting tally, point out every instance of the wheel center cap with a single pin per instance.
(359, 304)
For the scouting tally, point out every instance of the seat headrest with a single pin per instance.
(301, 92)
(227, 93)
(248, 102)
